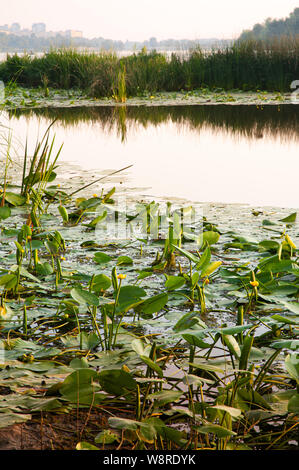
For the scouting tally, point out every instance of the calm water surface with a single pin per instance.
(226, 154)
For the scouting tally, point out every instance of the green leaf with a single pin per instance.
(188, 320)
(195, 339)
(209, 237)
(124, 260)
(152, 365)
(174, 282)
(275, 265)
(86, 446)
(290, 218)
(101, 282)
(5, 212)
(220, 431)
(233, 412)
(204, 259)
(8, 419)
(210, 268)
(64, 214)
(106, 437)
(84, 297)
(293, 405)
(232, 345)
(15, 199)
(80, 386)
(188, 255)
(154, 304)
(165, 396)
(44, 269)
(116, 382)
(101, 258)
(123, 423)
(287, 343)
(292, 366)
(9, 281)
(130, 294)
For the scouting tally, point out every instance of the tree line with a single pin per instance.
(274, 28)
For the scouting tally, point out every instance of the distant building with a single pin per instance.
(15, 28)
(72, 33)
(38, 28)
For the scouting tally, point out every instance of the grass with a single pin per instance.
(187, 341)
(252, 65)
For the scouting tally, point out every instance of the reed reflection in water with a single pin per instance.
(222, 153)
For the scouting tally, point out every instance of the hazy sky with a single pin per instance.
(141, 19)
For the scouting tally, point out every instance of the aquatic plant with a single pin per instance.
(254, 65)
(196, 329)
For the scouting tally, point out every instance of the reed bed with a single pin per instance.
(247, 65)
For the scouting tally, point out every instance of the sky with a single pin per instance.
(137, 20)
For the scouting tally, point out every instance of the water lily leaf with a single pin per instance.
(9, 281)
(174, 282)
(188, 255)
(106, 437)
(152, 365)
(195, 339)
(292, 366)
(290, 218)
(275, 265)
(293, 405)
(52, 247)
(124, 260)
(204, 259)
(101, 258)
(101, 283)
(287, 343)
(130, 294)
(5, 212)
(138, 346)
(15, 199)
(188, 321)
(84, 297)
(86, 446)
(80, 386)
(79, 363)
(233, 412)
(8, 419)
(116, 382)
(44, 269)
(291, 306)
(154, 304)
(209, 237)
(216, 429)
(165, 396)
(123, 423)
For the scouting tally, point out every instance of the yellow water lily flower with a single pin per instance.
(121, 276)
(254, 283)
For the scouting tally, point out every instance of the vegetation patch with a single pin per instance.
(183, 341)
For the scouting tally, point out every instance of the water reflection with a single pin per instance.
(251, 121)
(222, 153)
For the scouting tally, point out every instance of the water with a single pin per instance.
(222, 154)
